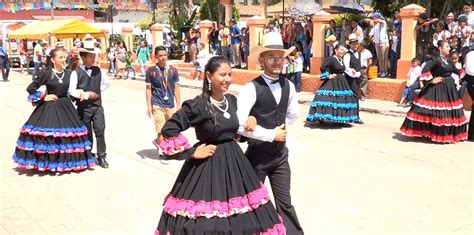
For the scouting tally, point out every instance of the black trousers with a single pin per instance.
(94, 119)
(272, 161)
(5, 67)
(470, 90)
(354, 83)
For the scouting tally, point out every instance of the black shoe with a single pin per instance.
(359, 121)
(102, 162)
(6, 80)
(362, 98)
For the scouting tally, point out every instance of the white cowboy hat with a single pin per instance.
(271, 41)
(352, 38)
(88, 37)
(89, 47)
(60, 44)
(77, 40)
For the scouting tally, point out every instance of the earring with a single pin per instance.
(209, 81)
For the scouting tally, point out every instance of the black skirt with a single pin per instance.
(437, 113)
(54, 139)
(334, 101)
(219, 195)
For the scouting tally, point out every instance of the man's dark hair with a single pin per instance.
(159, 48)
(467, 3)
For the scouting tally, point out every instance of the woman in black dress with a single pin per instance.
(53, 138)
(217, 190)
(437, 113)
(334, 101)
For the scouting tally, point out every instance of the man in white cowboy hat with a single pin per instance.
(87, 84)
(273, 101)
(353, 68)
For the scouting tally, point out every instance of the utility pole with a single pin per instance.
(52, 9)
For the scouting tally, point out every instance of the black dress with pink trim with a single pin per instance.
(54, 138)
(217, 195)
(437, 113)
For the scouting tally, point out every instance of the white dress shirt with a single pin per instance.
(469, 63)
(413, 75)
(247, 99)
(347, 63)
(379, 31)
(364, 58)
(73, 91)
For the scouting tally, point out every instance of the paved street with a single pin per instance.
(346, 180)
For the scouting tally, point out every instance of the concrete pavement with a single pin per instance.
(346, 180)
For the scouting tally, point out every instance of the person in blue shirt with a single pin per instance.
(4, 62)
(235, 42)
(162, 91)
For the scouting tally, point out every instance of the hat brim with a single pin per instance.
(94, 51)
(351, 41)
(258, 50)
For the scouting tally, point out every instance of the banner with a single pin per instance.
(15, 7)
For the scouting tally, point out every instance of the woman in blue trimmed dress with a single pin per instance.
(217, 190)
(437, 113)
(53, 138)
(334, 101)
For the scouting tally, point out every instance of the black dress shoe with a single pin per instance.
(102, 162)
(359, 121)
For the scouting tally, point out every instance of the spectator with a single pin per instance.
(4, 62)
(37, 59)
(308, 43)
(454, 58)
(286, 33)
(467, 9)
(225, 43)
(331, 30)
(192, 43)
(357, 30)
(380, 38)
(143, 55)
(121, 55)
(393, 53)
(235, 41)
(245, 47)
(24, 63)
(413, 83)
(463, 31)
(331, 43)
(201, 61)
(345, 31)
(424, 35)
(298, 62)
(129, 67)
(450, 24)
(300, 36)
(214, 39)
(111, 57)
(440, 34)
(455, 47)
(365, 63)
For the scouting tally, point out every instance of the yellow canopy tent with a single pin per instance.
(57, 28)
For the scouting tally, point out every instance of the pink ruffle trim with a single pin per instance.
(53, 134)
(174, 145)
(277, 229)
(76, 150)
(236, 205)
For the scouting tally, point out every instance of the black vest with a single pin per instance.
(91, 83)
(354, 62)
(268, 113)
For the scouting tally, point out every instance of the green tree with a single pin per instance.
(434, 8)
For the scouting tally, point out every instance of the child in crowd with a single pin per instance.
(128, 66)
(298, 65)
(454, 57)
(413, 83)
(201, 60)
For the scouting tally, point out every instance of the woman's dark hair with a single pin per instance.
(441, 24)
(53, 53)
(336, 47)
(212, 66)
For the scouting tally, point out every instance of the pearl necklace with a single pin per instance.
(60, 79)
(217, 104)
